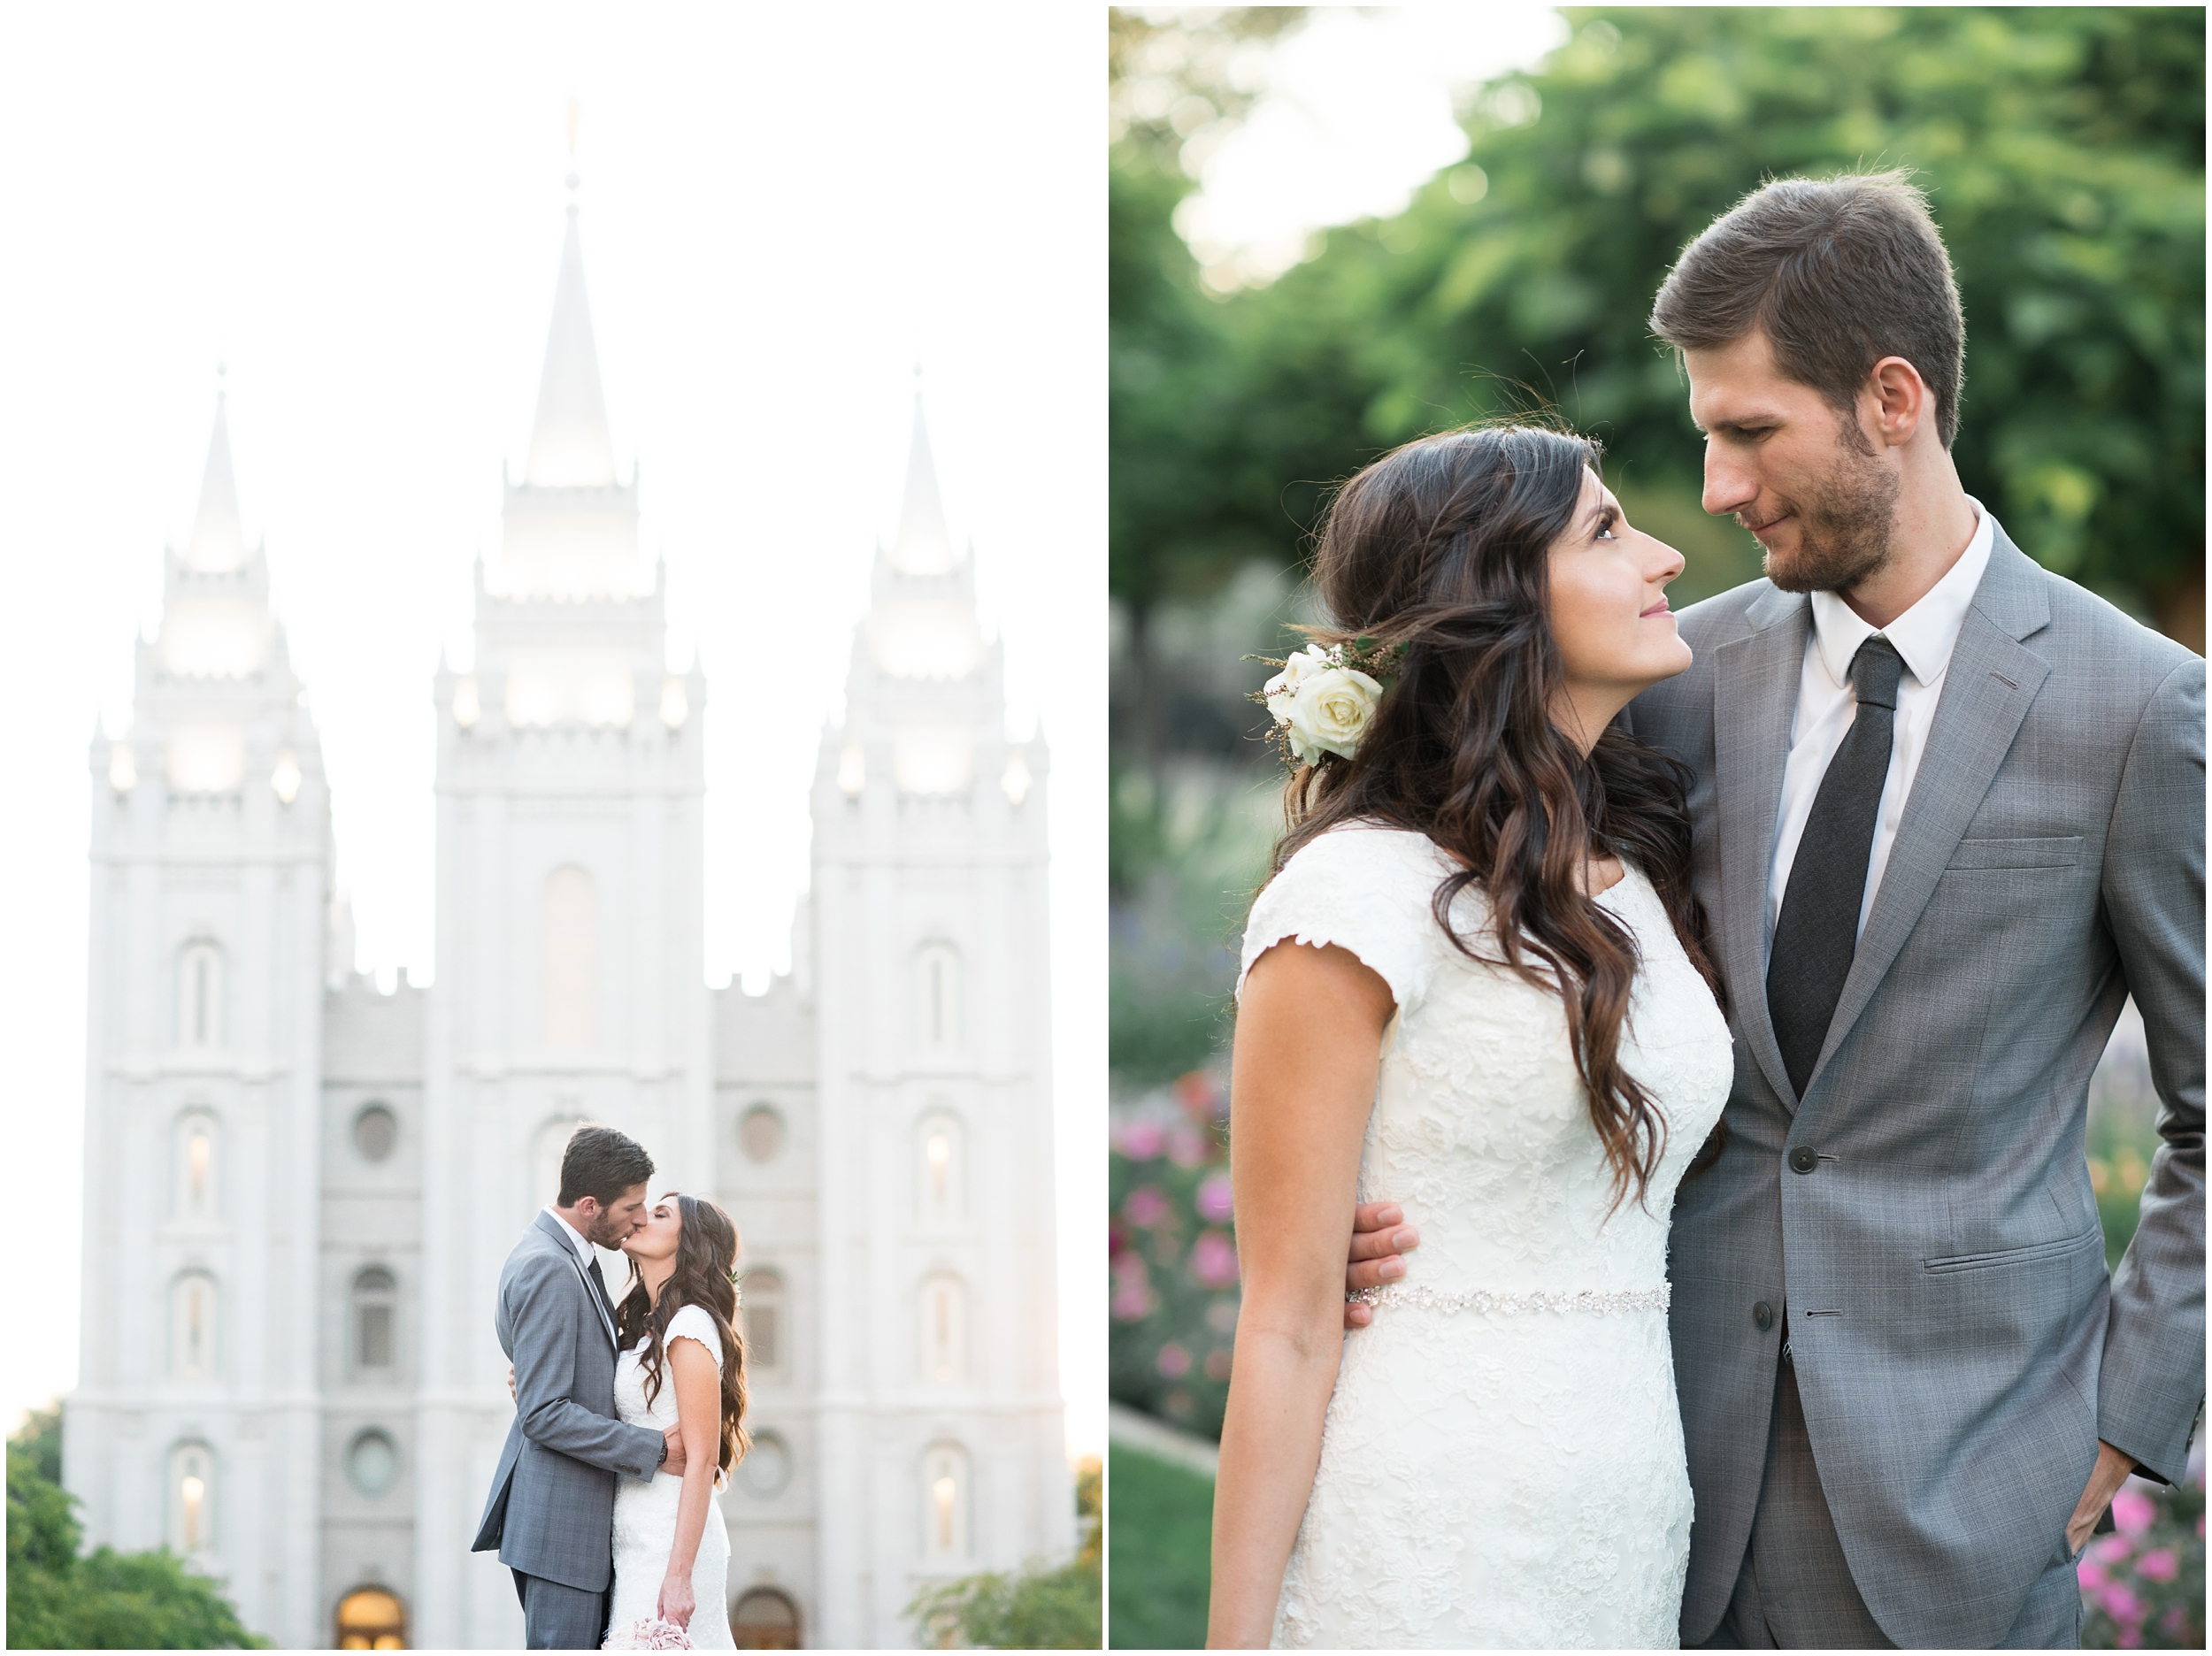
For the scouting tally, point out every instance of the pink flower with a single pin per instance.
(1218, 1364)
(1215, 1202)
(2112, 1549)
(2161, 1566)
(1145, 1206)
(1132, 1289)
(2131, 1511)
(1174, 1361)
(2120, 1604)
(1187, 1147)
(1199, 1093)
(1213, 1260)
(1141, 1140)
(2130, 1638)
(2092, 1576)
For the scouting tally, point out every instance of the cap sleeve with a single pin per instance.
(1365, 889)
(692, 1322)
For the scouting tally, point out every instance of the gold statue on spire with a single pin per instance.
(575, 108)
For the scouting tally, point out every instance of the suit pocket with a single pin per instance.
(2017, 854)
(2014, 1256)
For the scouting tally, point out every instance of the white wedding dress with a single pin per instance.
(645, 1513)
(1502, 1464)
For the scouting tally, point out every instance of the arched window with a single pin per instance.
(945, 1501)
(762, 1308)
(764, 1619)
(765, 1471)
(940, 1168)
(570, 938)
(937, 985)
(760, 1133)
(370, 1618)
(373, 1463)
(191, 1499)
(192, 1327)
(375, 1131)
(197, 1192)
(375, 1310)
(200, 997)
(944, 1329)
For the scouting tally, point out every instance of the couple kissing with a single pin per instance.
(629, 1412)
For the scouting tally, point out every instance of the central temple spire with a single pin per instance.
(219, 539)
(570, 447)
(922, 547)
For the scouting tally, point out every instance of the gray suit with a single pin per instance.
(1958, 1346)
(551, 1510)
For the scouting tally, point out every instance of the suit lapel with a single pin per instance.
(1987, 691)
(559, 1233)
(1755, 694)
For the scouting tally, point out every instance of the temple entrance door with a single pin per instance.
(765, 1620)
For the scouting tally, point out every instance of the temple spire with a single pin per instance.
(219, 539)
(922, 547)
(570, 447)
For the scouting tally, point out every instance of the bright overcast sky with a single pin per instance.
(1358, 112)
(359, 211)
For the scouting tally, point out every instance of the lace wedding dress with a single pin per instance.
(645, 1513)
(1503, 1463)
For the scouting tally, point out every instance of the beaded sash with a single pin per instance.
(1599, 1299)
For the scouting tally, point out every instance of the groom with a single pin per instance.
(551, 1511)
(1950, 816)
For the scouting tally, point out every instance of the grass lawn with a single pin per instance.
(1160, 1530)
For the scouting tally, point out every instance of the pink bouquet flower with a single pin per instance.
(652, 1633)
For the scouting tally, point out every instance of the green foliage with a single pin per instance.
(2062, 149)
(1163, 1538)
(1037, 1609)
(108, 1601)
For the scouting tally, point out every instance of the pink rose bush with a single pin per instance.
(1171, 1253)
(2142, 1587)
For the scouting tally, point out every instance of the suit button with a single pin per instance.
(1762, 1313)
(1803, 1158)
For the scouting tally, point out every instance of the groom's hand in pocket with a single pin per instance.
(1380, 1239)
(674, 1464)
(2110, 1472)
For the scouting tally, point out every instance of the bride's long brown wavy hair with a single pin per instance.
(1443, 545)
(706, 1256)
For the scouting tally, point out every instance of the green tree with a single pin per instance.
(1037, 1609)
(2062, 149)
(108, 1601)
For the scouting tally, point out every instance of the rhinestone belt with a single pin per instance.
(1598, 1300)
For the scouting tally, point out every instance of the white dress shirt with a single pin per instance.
(1923, 636)
(576, 1239)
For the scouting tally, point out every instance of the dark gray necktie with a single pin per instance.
(599, 1281)
(1817, 931)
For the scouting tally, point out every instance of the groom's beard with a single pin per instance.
(1844, 529)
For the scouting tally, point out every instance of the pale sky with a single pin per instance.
(359, 212)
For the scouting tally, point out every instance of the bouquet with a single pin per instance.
(652, 1633)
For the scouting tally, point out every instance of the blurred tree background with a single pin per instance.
(2062, 151)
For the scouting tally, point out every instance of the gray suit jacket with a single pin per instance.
(1958, 1343)
(551, 1510)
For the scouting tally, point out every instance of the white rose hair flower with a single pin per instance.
(1325, 697)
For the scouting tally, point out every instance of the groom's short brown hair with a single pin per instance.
(601, 1162)
(1837, 274)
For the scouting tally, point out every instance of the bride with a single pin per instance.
(681, 1364)
(1476, 982)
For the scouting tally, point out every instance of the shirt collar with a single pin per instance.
(576, 1239)
(1925, 633)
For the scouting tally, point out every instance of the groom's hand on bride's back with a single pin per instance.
(1380, 1239)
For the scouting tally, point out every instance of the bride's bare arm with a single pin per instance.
(1309, 1030)
(699, 1421)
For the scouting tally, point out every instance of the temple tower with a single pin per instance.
(196, 1422)
(938, 1418)
(570, 979)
